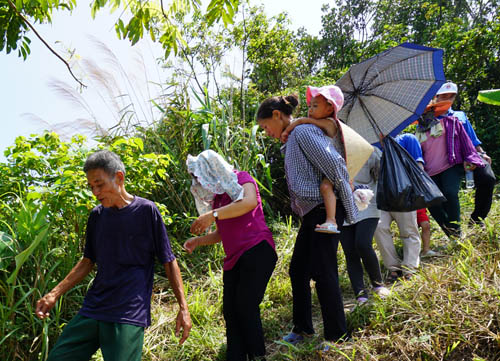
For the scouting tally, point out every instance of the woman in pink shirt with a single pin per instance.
(231, 199)
(447, 151)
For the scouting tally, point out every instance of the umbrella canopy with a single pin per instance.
(386, 93)
(489, 96)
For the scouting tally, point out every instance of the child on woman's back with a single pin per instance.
(324, 104)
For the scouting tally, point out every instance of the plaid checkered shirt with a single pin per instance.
(309, 157)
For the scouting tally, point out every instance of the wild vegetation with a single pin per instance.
(449, 311)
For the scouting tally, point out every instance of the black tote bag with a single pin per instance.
(402, 185)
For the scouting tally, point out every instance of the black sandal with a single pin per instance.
(393, 277)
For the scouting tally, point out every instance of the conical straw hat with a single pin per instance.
(356, 149)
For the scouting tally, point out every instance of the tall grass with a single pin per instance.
(182, 131)
(448, 311)
(27, 231)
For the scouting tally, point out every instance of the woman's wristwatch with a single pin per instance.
(215, 214)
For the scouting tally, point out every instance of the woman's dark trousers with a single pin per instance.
(357, 240)
(315, 257)
(484, 181)
(244, 287)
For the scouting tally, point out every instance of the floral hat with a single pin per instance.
(212, 175)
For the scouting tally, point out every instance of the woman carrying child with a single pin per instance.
(357, 238)
(309, 157)
(323, 104)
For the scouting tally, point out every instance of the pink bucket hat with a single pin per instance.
(332, 93)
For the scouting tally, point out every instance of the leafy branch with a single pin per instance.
(44, 42)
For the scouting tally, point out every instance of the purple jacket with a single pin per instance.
(459, 146)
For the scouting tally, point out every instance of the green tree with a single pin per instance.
(344, 33)
(271, 51)
(147, 17)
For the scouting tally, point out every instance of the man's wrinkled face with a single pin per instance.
(104, 187)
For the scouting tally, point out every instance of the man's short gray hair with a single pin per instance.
(106, 160)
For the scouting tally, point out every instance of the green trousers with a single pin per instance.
(82, 336)
(447, 214)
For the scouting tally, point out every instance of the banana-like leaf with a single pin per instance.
(6, 249)
(24, 255)
(491, 96)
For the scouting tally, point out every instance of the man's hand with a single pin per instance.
(44, 305)
(183, 321)
(76, 275)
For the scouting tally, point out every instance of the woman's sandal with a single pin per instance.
(293, 338)
(327, 228)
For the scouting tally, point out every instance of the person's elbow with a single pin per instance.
(86, 264)
(250, 203)
(253, 203)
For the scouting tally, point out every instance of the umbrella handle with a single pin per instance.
(381, 137)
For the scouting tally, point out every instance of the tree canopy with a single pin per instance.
(44, 201)
(147, 17)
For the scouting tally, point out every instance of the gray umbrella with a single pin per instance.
(389, 91)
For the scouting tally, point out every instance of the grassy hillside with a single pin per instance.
(449, 311)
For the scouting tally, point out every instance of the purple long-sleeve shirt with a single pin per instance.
(458, 144)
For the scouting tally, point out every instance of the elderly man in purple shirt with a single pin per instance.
(125, 234)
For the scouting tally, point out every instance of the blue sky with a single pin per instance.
(24, 85)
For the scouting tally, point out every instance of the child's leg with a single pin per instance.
(426, 236)
(423, 222)
(326, 189)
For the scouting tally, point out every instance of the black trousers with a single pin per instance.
(244, 287)
(357, 242)
(484, 181)
(315, 257)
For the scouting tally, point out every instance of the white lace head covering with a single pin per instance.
(212, 175)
